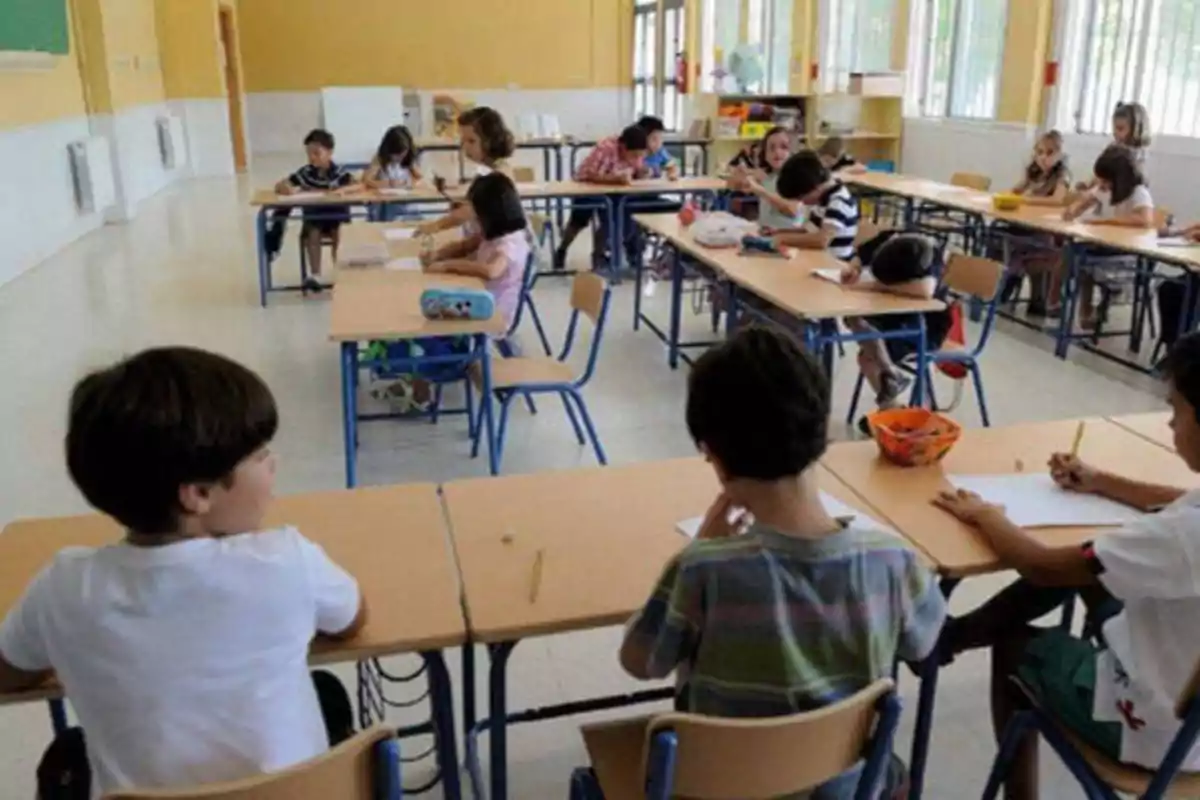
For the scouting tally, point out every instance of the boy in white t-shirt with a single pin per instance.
(1142, 588)
(183, 647)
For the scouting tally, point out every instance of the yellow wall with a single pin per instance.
(189, 43)
(119, 59)
(302, 45)
(1027, 43)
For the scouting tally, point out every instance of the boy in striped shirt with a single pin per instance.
(800, 609)
(832, 210)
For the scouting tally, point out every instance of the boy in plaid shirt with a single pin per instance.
(800, 610)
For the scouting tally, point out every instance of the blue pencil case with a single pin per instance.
(457, 304)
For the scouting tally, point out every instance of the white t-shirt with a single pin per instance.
(1140, 198)
(1153, 566)
(186, 663)
(771, 217)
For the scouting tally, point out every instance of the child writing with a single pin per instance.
(736, 614)
(394, 167)
(1139, 583)
(835, 157)
(659, 162)
(614, 161)
(1120, 198)
(775, 213)
(903, 264)
(832, 210)
(321, 222)
(197, 617)
(487, 142)
(1046, 182)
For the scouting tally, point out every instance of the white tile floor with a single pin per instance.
(183, 272)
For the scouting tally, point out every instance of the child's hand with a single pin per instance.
(717, 524)
(1071, 473)
(287, 188)
(966, 506)
(672, 172)
(625, 179)
(851, 274)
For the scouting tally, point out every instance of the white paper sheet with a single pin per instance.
(399, 234)
(1176, 241)
(395, 191)
(306, 195)
(404, 264)
(834, 507)
(1036, 501)
(831, 275)
(364, 254)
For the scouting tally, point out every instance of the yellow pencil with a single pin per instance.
(535, 581)
(1078, 439)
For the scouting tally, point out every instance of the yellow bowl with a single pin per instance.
(1006, 201)
(913, 437)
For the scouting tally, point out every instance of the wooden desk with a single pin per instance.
(903, 495)
(1154, 426)
(372, 235)
(605, 535)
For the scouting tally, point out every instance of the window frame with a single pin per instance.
(924, 54)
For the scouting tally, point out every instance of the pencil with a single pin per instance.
(535, 581)
(1078, 439)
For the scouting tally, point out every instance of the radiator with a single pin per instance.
(92, 172)
(170, 142)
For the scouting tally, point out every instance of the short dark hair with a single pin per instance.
(170, 416)
(903, 257)
(495, 137)
(396, 141)
(800, 175)
(634, 138)
(497, 205)
(651, 124)
(760, 405)
(1182, 368)
(319, 136)
(1118, 166)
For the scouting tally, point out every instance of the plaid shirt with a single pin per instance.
(765, 624)
(606, 161)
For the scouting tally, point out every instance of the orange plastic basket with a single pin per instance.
(913, 437)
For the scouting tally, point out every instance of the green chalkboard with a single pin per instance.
(36, 26)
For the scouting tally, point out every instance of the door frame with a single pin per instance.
(234, 93)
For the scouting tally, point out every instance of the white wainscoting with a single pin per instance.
(38, 216)
(206, 126)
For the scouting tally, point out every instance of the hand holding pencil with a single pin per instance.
(1069, 472)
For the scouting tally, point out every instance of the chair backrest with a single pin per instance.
(524, 175)
(974, 276)
(528, 278)
(365, 767)
(971, 180)
(590, 296)
(718, 757)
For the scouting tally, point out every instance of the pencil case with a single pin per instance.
(761, 246)
(474, 304)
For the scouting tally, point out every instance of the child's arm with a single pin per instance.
(24, 662)
(595, 169)
(416, 173)
(373, 175)
(341, 609)
(1080, 207)
(457, 216)
(489, 270)
(665, 632)
(1021, 187)
(1140, 217)
(780, 204)
(463, 248)
(288, 185)
(804, 240)
(1059, 198)
(1071, 473)
(921, 288)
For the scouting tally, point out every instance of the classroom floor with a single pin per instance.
(183, 272)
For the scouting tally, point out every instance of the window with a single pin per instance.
(655, 84)
(857, 38)
(1146, 51)
(768, 37)
(963, 45)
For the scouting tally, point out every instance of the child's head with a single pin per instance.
(831, 151)
(802, 177)
(1182, 368)
(902, 257)
(1117, 172)
(319, 146)
(758, 408)
(1048, 158)
(497, 205)
(633, 143)
(396, 147)
(774, 149)
(174, 441)
(1131, 125)
(654, 128)
(485, 137)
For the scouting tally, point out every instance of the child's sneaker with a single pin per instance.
(312, 286)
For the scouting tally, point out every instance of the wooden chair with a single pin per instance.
(526, 376)
(717, 758)
(1141, 276)
(539, 222)
(967, 279)
(1100, 777)
(365, 767)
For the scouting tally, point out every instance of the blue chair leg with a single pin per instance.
(1016, 730)
(858, 386)
(591, 429)
(502, 429)
(437, 403)
(483, 399)
(977, 378)
(469, 401)
(537, 324)
(529, 403)
(574, 419)
(933, 403)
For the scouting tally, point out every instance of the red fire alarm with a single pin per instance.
(814, 71)
(1050, 77)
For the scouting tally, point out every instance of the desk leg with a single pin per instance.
(485, 390)
(922, 357)
(264, 261)
(676, 307)
(1069, 292)
(441, 706)
(468, 688)
(909, 213)
(827, 341)
(350, 410)
(929, 669)
(730, 308)
(58, 715)
(498, 718)
(617, 237)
